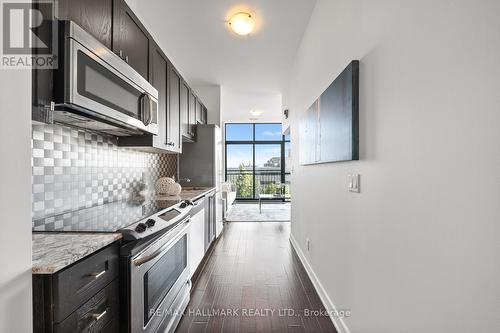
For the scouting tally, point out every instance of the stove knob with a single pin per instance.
(141, 227)
(186, 203)
(150, 223)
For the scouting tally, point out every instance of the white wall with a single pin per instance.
(418, 249)
(15, 201)
(236, 106)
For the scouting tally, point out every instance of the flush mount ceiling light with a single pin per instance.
(242, 23)
(256, 113)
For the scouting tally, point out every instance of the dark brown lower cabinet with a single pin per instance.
(98, 314)
(83, 297)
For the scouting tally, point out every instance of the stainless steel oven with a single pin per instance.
(159, 282)
(97, 90)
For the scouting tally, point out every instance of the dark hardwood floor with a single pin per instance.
(254, 268)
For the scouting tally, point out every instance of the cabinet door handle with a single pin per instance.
(97, 275)
(98, 316)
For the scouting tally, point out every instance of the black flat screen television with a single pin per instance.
(329, 129)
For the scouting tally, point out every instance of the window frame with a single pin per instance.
(255, 142)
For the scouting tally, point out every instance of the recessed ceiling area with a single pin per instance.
(197, 39)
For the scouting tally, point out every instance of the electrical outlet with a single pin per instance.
(308, 242)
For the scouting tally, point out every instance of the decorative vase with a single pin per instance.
(163, 185)
(167, 186)
(175, 189)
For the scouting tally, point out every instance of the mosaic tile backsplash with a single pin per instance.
(74, 169)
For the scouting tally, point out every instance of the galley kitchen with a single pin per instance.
(224, 166)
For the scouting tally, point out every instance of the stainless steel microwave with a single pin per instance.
(97, 90)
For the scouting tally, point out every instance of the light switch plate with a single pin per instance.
(353, 182)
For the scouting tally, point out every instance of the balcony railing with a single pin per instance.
(268, 182)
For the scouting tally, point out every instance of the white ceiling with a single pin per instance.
(236, 106)
(195, 37)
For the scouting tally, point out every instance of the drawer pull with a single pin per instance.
(97, 275)
(98, 316)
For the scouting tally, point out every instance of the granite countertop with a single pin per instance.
(186, 194)
(195, 194)
(55, 251)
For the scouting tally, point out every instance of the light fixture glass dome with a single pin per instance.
(256, 113)
(242, 23)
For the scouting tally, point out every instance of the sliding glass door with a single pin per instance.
(255, 159)
(267, 168)
(239, 169)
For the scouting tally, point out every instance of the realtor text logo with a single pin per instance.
(29, 35)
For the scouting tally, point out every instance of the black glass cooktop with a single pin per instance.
(109, 217)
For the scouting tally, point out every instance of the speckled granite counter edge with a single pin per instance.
(184, 195)
(198, 195)
(52, 252)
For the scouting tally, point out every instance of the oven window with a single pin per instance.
(161, 276)
(99, 84)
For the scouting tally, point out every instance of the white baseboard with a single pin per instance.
(325, 299)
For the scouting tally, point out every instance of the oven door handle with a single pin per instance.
(142, 260)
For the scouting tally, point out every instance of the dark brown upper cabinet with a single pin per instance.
(192, 113)
(114, 24)
(94, 16)
(199, 112)
(159, 80)
(131, 41)
(173, 110)
(42, 83)
(204, 114)
(184, 105)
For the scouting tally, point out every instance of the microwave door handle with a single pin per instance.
(143, 107)
(151, 109)
(146, 109)
(148, 103)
